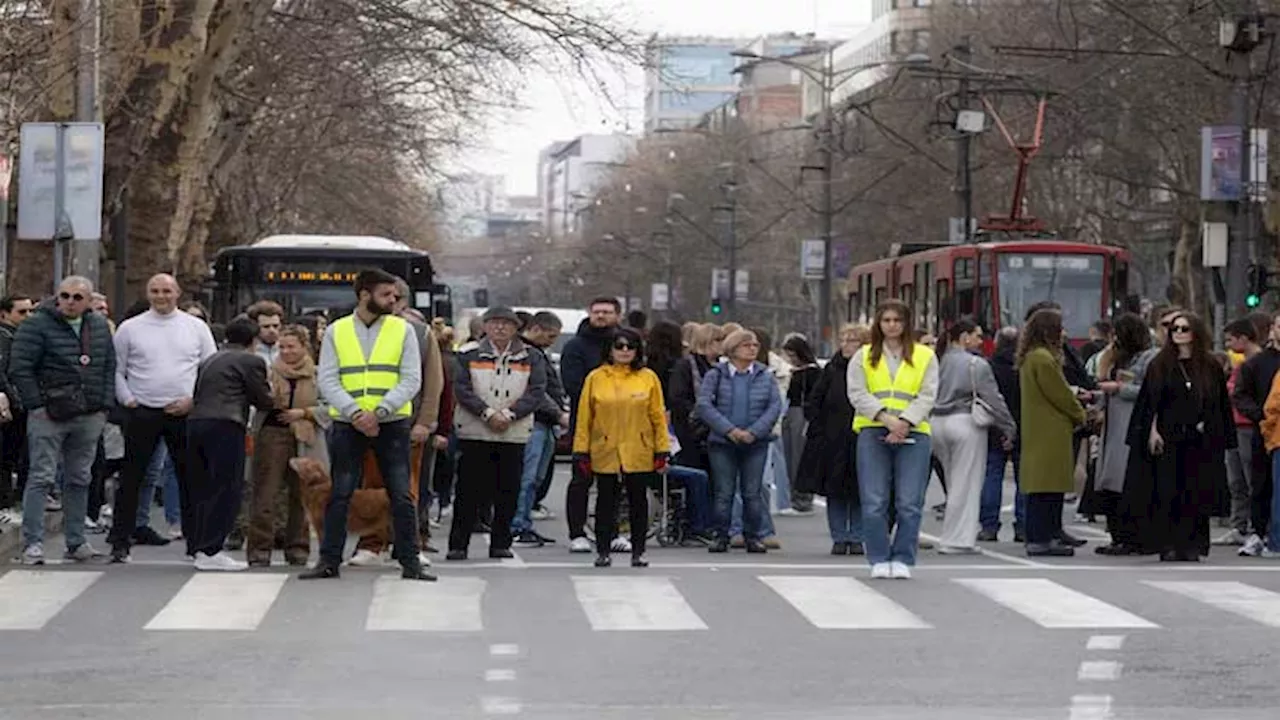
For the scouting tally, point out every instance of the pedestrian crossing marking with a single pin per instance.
(842, 603)
(1051, 605)
(635, 603)
(220, 602)
(1247, 601)
(449, 606)
(30, 599)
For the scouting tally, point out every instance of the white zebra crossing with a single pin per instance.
(1051, 605)
(842, 603)
(32, 599)
(220, 602)
(1262, 606)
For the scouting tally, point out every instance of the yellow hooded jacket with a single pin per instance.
(621, 420)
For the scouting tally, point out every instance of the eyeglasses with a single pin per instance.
(1181, 328)
(623, 346)
(78, 297)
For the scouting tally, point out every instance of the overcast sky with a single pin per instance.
(559, 108)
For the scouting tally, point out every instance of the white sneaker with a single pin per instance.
(541, 513)
(1232, 537)
(175, 531)
(899, 571)
(83, 553)
(12, 516)
(33, 554)
(365, 558)
(881, 571)
(424, 559)
(792, 512)
(1253, 547)
(620, 545)
(219, 561)
(580, 545)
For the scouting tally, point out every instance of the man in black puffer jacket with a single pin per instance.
(581, 355)
(63, 366)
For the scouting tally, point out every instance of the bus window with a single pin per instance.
(1073, 280)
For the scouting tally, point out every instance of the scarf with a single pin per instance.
(305, 394)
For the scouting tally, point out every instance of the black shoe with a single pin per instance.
(1071, 540)
(755, 547)
(1049, 550)
(500, 554)
(855, 548)
(840, 548)
(417, 573)
(456, 555)
(119, 556)
(603, 561)
(260, 563)
(638, 561)
(546, 540)
(148, 536)
(1117, 550)
(720, 545)
(322, 571)
(988, 536)
(529, 538)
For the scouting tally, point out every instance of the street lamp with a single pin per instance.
(828, 79)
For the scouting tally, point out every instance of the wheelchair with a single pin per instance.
(668, 513)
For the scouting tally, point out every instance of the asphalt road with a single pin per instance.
(796, 634)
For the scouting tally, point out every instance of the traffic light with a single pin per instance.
(716, 307)
(1259, 283)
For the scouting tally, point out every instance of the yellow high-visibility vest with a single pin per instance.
(895, 393)
(369, 379)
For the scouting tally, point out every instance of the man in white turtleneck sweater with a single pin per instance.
(158, 354)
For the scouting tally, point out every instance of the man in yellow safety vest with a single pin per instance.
(369, 372)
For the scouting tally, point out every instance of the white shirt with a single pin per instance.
(158, 357)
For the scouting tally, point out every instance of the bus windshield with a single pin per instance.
(1073, 280)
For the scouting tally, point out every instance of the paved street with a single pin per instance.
(794, 634)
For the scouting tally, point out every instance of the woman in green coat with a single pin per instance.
(1050, 414)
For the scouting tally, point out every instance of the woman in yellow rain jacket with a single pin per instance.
(621, 436)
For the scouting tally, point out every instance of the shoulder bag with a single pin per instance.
(979, 409)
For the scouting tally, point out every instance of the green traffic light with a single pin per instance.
(1252, 300)
(716, 308)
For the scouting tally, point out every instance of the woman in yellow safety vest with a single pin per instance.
(892, 382)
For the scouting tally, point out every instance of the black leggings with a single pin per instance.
(607, 509)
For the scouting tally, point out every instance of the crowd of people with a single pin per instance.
(230, 425)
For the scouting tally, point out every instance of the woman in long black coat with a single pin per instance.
(1178, 436)
(827, 464)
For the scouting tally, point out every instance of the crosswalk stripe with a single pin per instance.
(220, 602)
(451, 605)
(30, 599)
(634, 603)
(1247, 601)
(842, 603)
(1051, 605)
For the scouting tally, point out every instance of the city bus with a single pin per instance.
(306, 273)
(994, 283)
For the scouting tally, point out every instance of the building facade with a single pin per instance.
(570, 173)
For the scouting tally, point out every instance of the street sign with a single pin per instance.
(635, 304)
(740, 287)
(813, 256)
(720, 283)
(1214, 246)
(60, 169)
(659, 296)
(955, 230)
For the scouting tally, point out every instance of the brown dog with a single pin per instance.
(370, 511)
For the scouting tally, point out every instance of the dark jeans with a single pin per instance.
(738, 469)
(347, 448)
(575, 503)
(215, 483)
(1260, 486)
(143, 429)
(425, 488)
(442, 480)
(14, 460)
(544, 485)
(993, 490)
(607, 510)
(488, 476)
(1044, 518)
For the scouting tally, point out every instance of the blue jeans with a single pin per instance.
(739, 468)
(993, 491)
(1273, 532)
(766, 519)
(902, 470)
(844, 520)
(697, 495)
(781, 481)
(71, 444)
(538, 453)
(160, 473)
(347, 448)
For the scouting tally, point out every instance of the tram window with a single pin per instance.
(907, 294)
(853, 307)
(945, 309)
(1119, 286)
(982, 315)
(880, 295)
(966, 289)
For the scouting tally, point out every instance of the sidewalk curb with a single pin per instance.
(11, 541)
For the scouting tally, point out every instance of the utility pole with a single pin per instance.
(85, 252)
(1241, 33)
(964, 146)
(827, 208)
(731, 244)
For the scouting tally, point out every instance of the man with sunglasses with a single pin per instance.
(63, 368)
(13, 432)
